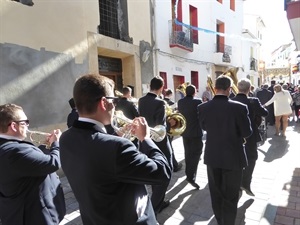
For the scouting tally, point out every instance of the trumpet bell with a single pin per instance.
(158, 133)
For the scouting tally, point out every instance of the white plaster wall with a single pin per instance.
(55, 25)
(139, 20)
(43, 49)
(208, 13)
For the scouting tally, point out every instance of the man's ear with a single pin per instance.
(102, 104)
(12, 126)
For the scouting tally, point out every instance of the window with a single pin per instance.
(232, 5)
(194, 23)
(163, 75)
(194, 79)
(220, 39)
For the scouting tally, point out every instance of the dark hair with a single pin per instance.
(168, 92)
(223, 82)
(190, 90)
(126, 90)
(156, 83)
(72, 103)
(89, 89)
(8, 113)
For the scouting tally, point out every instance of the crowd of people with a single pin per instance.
(117, 180)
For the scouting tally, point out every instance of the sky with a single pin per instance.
(272, 12)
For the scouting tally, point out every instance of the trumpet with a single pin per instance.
(157, 133)
(38, 137)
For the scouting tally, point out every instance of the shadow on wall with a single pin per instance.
(39, 81)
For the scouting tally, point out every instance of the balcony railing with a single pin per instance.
(180, 36)
(224, 49)
(253, 64)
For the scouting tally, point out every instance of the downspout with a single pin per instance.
(153, 35)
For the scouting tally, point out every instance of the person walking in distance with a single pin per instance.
(153, 108)
(256, 110)
(192, 136)
(265, 95)
(227, 124)
(108, 173)
(282, 101)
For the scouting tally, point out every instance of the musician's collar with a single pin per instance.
(99, 126)
(9, 137)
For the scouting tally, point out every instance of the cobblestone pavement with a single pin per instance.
(276, 185)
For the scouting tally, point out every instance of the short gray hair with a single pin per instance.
(244, 85)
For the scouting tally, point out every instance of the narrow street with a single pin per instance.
(276, 185)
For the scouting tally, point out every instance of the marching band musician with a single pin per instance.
(108, 173)
(255, 110)
(128, 108)
(153, 108)
(192, 136)
(30, 190)
(227, 124)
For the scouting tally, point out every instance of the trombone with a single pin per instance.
(119, 122)
(40, 138)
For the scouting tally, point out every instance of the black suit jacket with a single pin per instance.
(108, 174)
(153, 109)
(30, 190)
(264, 95)
(187, 106)
(128, 108)
(255, 109)
(227, 124)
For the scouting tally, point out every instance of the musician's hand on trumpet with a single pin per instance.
(140, 128)
(43, 138)
(54, 136)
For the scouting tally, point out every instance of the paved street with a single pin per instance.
(276, 185)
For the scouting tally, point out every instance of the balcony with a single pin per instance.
(222, 55)
(180, 36)
(253, 64)
(292, 8)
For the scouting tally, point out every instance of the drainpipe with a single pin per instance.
(153, 36)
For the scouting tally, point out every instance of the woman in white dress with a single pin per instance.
(282, 107)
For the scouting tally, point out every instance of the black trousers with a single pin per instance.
(224, 187)
(159, 191)
(192, 153)
(247, 174)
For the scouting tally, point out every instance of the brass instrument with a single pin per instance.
(119, 123)
(232, 73)
(40, 138)
(180, 122)
(211, 86)
(181, 88)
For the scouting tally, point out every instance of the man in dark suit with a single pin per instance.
(73, 115)
(192, 136)
(124, 104)
(128, 107)
(153, 108)
(265, 95)
(108, 173)
(255, 110)
(30, 190)
(227, 124)
(271, 116)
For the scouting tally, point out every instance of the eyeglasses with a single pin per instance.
(115, 99)
(22, 122)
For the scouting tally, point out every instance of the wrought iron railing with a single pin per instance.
(180, 36)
